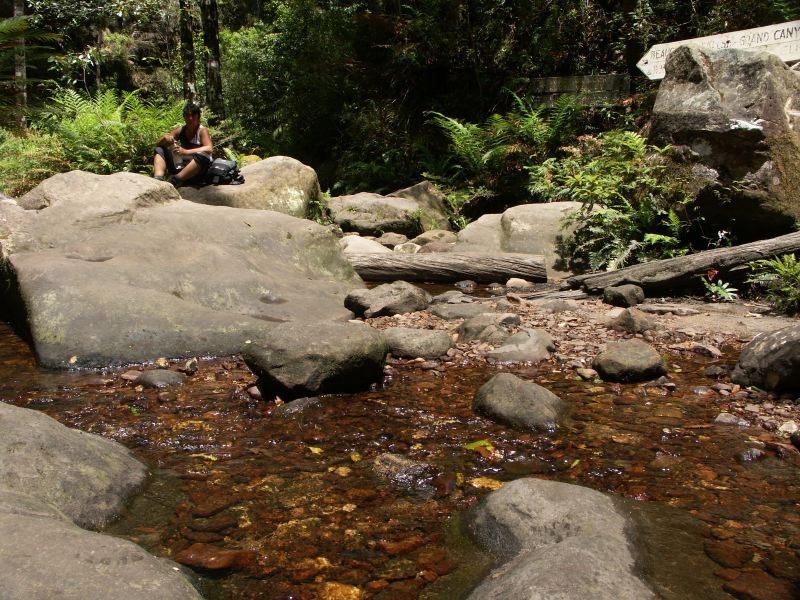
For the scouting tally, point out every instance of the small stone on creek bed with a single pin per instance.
(206, 556)
(159, 378)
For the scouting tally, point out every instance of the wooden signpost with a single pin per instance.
(782, 39)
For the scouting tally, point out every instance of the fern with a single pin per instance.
(780, 278)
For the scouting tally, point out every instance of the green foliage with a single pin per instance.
(109, 131)
(26, 160)
(780, 278)
(632, 210)
(494, 154)
(719, 291)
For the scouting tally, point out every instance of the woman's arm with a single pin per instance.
(169, 139)
(205, 140)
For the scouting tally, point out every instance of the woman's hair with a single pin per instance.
(191, 108)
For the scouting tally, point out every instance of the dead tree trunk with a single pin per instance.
(448, 267)
(678, 272)
(187, 51)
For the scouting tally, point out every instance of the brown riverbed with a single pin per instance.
(296, 499)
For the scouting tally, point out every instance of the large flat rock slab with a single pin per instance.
(117, 269)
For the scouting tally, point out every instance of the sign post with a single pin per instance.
(782, 39)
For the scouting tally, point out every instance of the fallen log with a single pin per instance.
(449, 267)
(681, 271)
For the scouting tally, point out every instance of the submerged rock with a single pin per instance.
(406, 474)
(159, 378)
(86, 477)
(44, 555)
(518, 403)
(556, 541)
(304, 359)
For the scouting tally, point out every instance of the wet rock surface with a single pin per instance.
(313, 358)
(302, 492)
(557, 541)
(518, 403)
(629, 361)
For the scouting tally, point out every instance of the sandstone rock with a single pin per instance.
(355, 244)
(518, 403)
(528, 345)
(407, 248)
(279, 183)
(633, 320)
(472, 328)
(391, 239)
(771, 361)
(387, 299)
(528, 228)
(405, 474)
(629, 361)
(441, 236)
(117, 269)
(431, 247)
(304, 359)
(86, 477)
(431, 204)
(728, 108)
(46, 556)
(213, 558)
(451, 312)
(623, 295)
(557, 541)
(373, 214)
(417, 343)
(159, 378)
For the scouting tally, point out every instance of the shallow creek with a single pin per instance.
(299, 490)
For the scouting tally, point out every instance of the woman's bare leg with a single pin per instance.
(159, 166)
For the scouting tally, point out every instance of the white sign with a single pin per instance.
(782, 39)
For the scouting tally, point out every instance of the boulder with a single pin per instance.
(387, 299)
(431, 202)
(417, 343)
(451, 312)
(528, 345)
(771, 361)
(306, 359)
(442, 236)
(432, 247)
(391, 239)
(405, 474)
(278, 183)
(732, 117)
(355, 244)
(472, 328)
(633, 320)
(507, 399)
(557, 540)
(44, 555)
(629, 361)
(624, 295)
(373, 214)
(407, 248)
(159, 378)
(528, 228)
(84, 476)
(117, 269)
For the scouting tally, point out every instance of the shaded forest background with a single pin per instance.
(350, 87)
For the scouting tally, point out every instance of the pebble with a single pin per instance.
(789, 427)
(729, 419)
(206, 556)
(750, 455)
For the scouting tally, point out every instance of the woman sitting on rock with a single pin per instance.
(185, 152)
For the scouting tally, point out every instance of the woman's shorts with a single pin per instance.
(201, 158)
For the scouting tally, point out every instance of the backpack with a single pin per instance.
(223, 172)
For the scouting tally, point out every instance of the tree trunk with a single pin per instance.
(20, 70)
(214, 101)
(448, 267)
(187, 52)
(677, 272)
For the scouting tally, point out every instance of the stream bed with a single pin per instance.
(289, 502)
